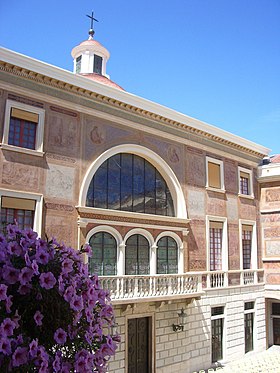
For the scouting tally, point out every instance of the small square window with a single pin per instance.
(214, 174)
(245, 182)
(23, 128)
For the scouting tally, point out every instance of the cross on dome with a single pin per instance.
(91, 31)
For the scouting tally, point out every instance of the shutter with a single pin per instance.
(214, 175)
(244, 174)
(18, 203)
(247, 228)
(25, 115)
(216, 224)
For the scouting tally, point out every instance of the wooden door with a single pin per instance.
(276, 330)
(139, 345)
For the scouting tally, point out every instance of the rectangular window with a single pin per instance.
(249, 326)
(17, 210)
(245, 182)
(78, 64)
(215, 174)
(23, 128)
(97, 66)
(247, 245)
(216, 239)
(217, 331)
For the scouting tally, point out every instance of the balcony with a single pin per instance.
(146, 288)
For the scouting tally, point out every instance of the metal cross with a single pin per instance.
(92, 19)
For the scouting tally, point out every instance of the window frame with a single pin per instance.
(254, 249)
(252, 312)
(250, 182)
(220, 316)
(217, 219)
(39, 128)
(220, 163)
(37, 221)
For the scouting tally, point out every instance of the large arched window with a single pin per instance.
(104, 254)
(128, 182)
(137, 257)
(167, 255)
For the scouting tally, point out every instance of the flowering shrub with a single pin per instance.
(53, 316)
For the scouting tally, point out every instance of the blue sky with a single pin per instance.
(214, 60)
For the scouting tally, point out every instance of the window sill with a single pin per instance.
(248, 196)
(215, 190)
(22, 150)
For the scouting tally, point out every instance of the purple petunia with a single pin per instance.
(60, 336)
(47, 280)
(38, 317)
(33, 348)
(3, 291)
(25, 275)
(67, 266)
(10, 274)
(20, 356)
(76, 303)
(42, 256)
(7, 327)
(5, 346)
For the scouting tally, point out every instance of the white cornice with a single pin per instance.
(65, 76)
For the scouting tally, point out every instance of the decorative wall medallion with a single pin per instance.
(173, 154)
(97, 135)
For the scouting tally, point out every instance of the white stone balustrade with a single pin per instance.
(139, 288)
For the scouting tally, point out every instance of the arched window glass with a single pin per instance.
(104, 254)
(167, 256)
(128, 182)
(137, 255)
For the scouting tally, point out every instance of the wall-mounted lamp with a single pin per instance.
(114, 328)
(182, 321)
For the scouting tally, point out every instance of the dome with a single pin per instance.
(102, 79)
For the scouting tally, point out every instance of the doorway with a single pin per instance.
(139, 345)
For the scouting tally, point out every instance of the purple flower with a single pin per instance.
(33, 348)
(66, 368)
(57, 361)
(25, 275)
(20, 356)
(88, 250)
(47, 280)
(42, 256)
(27, 259)
(67, 266)
(14, 248)
(3, 292)
(76, 303)
(7, 327)
(69, 293)
(60, 336)
(5, 346)
(24, 289)
(10, 274)
(38, 317)
(9, 303)
(35, 267)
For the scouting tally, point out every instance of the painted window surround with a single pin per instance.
(152, 243)
(254, 248)
(211, 218)
(39, 130)
(250, 181)
(222, 179)
(25, 195)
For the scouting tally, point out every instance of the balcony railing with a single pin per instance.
(130, 289)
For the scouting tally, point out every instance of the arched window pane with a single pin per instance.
(128, 182)
(167, 256)
(104, 254)
(137, 257)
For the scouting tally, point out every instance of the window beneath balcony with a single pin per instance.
(128, 182)
(214, 174)
(137, 255)
(103, 261)
(167, 256)
(217, 333)
(249, 326)
(23, 128)
(245, 182)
